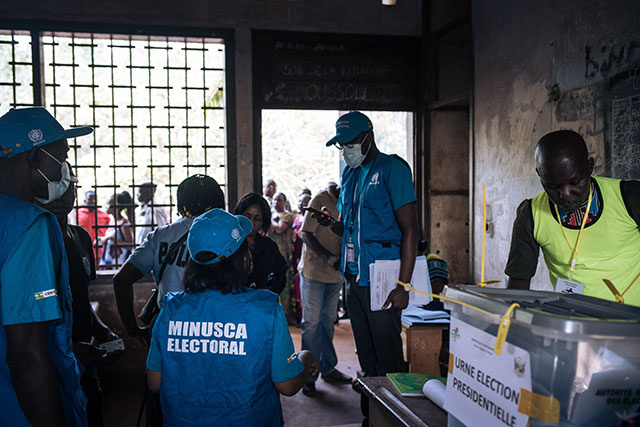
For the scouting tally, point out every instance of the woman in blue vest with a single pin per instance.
(221, 353)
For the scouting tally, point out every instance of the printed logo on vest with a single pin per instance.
(374, 179)
(45, 294)
(199, 337)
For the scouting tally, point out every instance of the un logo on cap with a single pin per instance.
(35, 135)
(235, 234)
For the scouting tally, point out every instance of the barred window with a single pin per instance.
(156, 104)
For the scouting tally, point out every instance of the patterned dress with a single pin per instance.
(284, 241)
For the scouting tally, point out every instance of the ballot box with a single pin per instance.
(567, 359)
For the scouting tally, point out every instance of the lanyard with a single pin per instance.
(355, 207)
(574, 256)
(619, 296)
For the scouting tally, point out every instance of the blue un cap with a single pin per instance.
(22, 129)
(349, 126)
(219, 232)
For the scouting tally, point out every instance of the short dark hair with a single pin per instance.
(561, 144)
(250, 199)
(228, 275)
(198, 194)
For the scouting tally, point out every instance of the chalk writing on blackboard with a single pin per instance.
(335, 71)
(625, 148)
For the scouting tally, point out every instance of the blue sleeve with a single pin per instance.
(282, 369)
(154, 358)
(400, 185)
(29, 278)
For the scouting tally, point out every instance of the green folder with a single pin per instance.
(411, 384)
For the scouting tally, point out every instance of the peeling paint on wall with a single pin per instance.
(505, 163)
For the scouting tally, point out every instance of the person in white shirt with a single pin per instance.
(150, 215)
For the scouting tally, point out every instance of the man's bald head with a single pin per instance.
(559, 146)
(564, 167)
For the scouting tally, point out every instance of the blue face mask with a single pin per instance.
(56, 189)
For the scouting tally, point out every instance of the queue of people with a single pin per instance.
(220, 350)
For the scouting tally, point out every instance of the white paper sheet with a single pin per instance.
(383, 275)
(435, 390)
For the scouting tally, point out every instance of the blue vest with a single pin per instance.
(379, 236)
(17, 216)
(216, 359)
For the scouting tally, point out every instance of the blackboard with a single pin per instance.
(622, 101)
(335, 71)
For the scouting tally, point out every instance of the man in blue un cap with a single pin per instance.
(39, 375)
(379, 222)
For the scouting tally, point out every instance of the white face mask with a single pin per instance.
(353, 155)
(56, 189)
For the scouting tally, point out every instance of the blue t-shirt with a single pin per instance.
(400, 192)
(31, 294)
(34, 289)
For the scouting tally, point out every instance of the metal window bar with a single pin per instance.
(155, 103)
(16, 70)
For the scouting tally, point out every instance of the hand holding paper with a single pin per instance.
(383, 274)
(398, 299)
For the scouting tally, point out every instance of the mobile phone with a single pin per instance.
(320, 214)
(112, 346)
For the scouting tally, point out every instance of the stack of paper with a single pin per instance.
(383, 275)
(416, 315)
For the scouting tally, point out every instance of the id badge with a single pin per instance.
(566, 286)
(351, 252)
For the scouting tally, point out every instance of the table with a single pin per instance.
(422, 345)
(388, 408)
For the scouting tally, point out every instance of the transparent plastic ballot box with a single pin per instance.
(584, 351)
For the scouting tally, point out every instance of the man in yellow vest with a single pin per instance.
(598, 235)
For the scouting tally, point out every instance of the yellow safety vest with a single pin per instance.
(610, 248)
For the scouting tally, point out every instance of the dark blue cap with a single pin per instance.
(349, 126)
(22, 129)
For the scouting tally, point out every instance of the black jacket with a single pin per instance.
(269, 266)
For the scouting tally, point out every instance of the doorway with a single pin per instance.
(294, 154)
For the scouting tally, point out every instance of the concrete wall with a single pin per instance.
(333, 16)
(541, 66)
